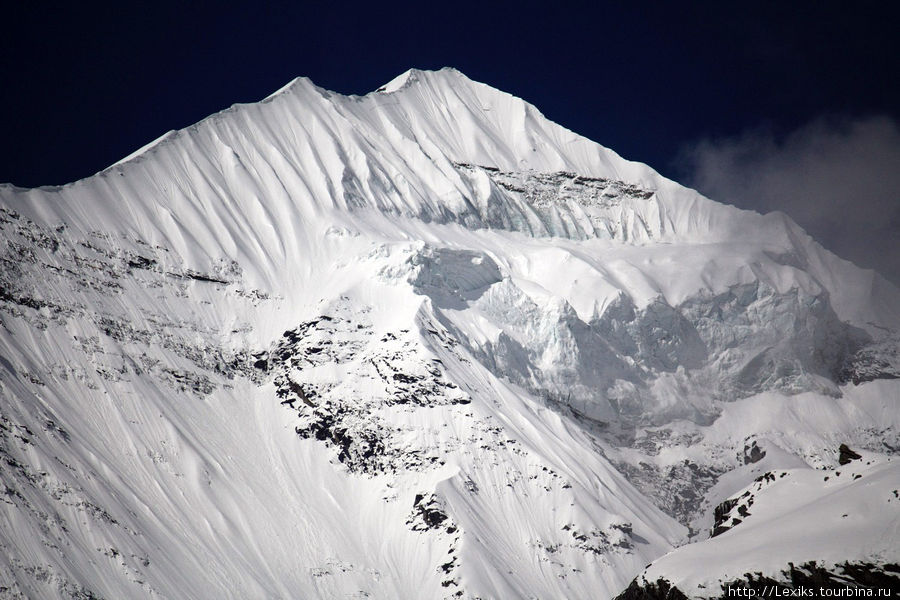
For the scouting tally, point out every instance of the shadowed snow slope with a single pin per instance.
(422, 343)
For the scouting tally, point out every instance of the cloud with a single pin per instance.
(838, 178)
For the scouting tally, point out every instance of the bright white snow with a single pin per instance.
(553, 316)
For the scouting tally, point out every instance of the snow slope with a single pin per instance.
(419, 343)
(801, 519)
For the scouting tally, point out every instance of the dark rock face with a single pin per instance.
(847, 455)
(722, 514)
(392, 368)
(557, 199)
(430, 515)
(661, 589)
(733, 511)
(809, 579)
(753, 453)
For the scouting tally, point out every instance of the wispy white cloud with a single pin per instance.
(838, 178)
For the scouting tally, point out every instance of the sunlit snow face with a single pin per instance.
(402, 346)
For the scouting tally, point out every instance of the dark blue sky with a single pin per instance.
(84, 87)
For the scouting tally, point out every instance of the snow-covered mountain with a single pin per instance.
(425, 343)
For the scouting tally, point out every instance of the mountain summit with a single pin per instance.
(425, 343)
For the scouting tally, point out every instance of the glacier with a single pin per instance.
(425, 343)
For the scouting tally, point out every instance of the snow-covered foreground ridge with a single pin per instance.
(422, 343)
